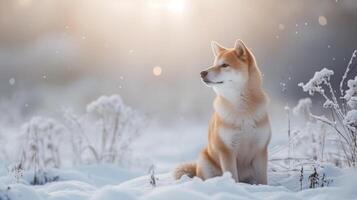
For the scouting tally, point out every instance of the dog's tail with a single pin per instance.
(188, 169)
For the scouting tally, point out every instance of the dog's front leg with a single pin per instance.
(229, 164)
(260, 163)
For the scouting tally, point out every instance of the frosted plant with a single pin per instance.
(288, 112)
(120, 125)
(351, 119)
(348, 69)
(40, 148)
(105, 132)
(341, 116)
(153, 178)
(314, 179)
(312, 136)
(3, 153)
(301, 176)
(303, 108)
(315, 84)
(16, 172)
(352, 89)
(306, 138)
(309, 141)
(352, 102)
(79, 139)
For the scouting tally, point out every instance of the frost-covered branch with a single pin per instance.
(343, 121)
(330, 123)
(348, 69)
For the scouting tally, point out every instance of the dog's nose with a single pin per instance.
(204, 74)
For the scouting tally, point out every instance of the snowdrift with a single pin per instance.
(105, 182)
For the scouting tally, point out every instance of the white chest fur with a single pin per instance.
(246, 131)
(234, 138)
(245, 135)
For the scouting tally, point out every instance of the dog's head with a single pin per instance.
(230, 68)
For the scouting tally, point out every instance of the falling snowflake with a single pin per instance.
(283, 86)
(12, 81)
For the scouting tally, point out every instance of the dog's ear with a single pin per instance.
(240, 48)
(216, 48)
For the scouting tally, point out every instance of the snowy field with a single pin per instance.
(109, 182)
(112, 151)
(102, 99)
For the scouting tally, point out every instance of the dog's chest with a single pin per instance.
(244, 135)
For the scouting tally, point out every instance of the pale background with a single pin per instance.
(65, 53)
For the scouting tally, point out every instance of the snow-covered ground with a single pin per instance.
(165, 148)
(104, 182)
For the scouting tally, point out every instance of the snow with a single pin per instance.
(218, 188)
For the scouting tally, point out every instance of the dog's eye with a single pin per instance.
(224, 65)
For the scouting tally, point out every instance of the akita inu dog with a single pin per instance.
(239, 131)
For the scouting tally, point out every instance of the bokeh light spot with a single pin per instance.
(322, 20)
(281, 27)
(157, 71)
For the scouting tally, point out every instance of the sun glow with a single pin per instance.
(176, 6)
(173, 6)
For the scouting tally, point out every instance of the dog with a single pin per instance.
(239, 131)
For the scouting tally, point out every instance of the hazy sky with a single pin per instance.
(63, 53)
